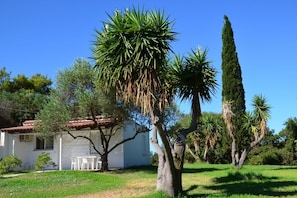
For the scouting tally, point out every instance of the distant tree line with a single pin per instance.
(21, 97)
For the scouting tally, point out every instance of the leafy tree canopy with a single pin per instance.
(21, 97)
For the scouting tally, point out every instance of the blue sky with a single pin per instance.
(47, 36)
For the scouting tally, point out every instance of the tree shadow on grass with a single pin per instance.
(200, 170)
(237, 176)
(267, 188)
(252, 184)
(286, 168)
(147, 169)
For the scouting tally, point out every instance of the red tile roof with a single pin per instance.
(75, 124)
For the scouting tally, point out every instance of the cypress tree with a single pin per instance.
(233, 90)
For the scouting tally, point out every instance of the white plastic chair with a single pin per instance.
(98, 163)
(85, 163)
(73, 163)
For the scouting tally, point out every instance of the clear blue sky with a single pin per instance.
(46, 36)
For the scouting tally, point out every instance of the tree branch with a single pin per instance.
(128, 139)
(85, 137)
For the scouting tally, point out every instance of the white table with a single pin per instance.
(83, 161)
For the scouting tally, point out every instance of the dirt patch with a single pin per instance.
(132, 189)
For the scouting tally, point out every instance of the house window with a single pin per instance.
(45, 143)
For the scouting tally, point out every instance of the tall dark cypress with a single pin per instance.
(233, 90)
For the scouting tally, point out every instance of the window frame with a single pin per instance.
(44, 143)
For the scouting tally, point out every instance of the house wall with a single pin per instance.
(82, 147)
(136, 152)
(25, 151)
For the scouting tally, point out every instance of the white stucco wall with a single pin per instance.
(136, 152)
(81, 147)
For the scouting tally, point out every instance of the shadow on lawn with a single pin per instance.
(147, 169)
(253, 184)
(200, 170)
(286, 168)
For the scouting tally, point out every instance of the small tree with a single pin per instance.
(211, 129)
(255, 124)
(289, 134)
(44, 160)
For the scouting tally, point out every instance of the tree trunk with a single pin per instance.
(205, 152)
(179, 151)
(242, 158)
(233, 151)
(165, 180)
(170, 178)
(171, 160)
(104, 159)
(196, 157)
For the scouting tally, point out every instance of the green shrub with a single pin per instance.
(272, 157)
(154, 159)
(44, 160)
(189, 158)
(8, 163)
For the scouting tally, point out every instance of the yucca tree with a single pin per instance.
(131, 55)
(211, 128)
(255, 123)
(194, 80)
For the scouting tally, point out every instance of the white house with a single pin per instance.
(23, 142)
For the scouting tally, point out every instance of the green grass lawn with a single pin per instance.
(199, 180)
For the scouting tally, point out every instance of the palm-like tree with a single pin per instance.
(211, 129)
(131, 56)
(255, 124)
(194, 80)
(131, 53)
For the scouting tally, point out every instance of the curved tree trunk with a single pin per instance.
(165, 179)
(171, 159)
(196, 157)
(205, 153)
(169, 175)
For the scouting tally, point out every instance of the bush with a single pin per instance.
(272, 157)
(189, 158)
(154, 159)
(44, 160)
(8, 163)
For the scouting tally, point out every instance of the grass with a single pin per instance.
(199, 180)
(57, 184)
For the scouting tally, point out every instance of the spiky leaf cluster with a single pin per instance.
(130, 53)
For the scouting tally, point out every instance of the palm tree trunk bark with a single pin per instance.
(233, 151)
(166, 171)
(205, 152)
(171, 160)
(165, 180)
(196, 157)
